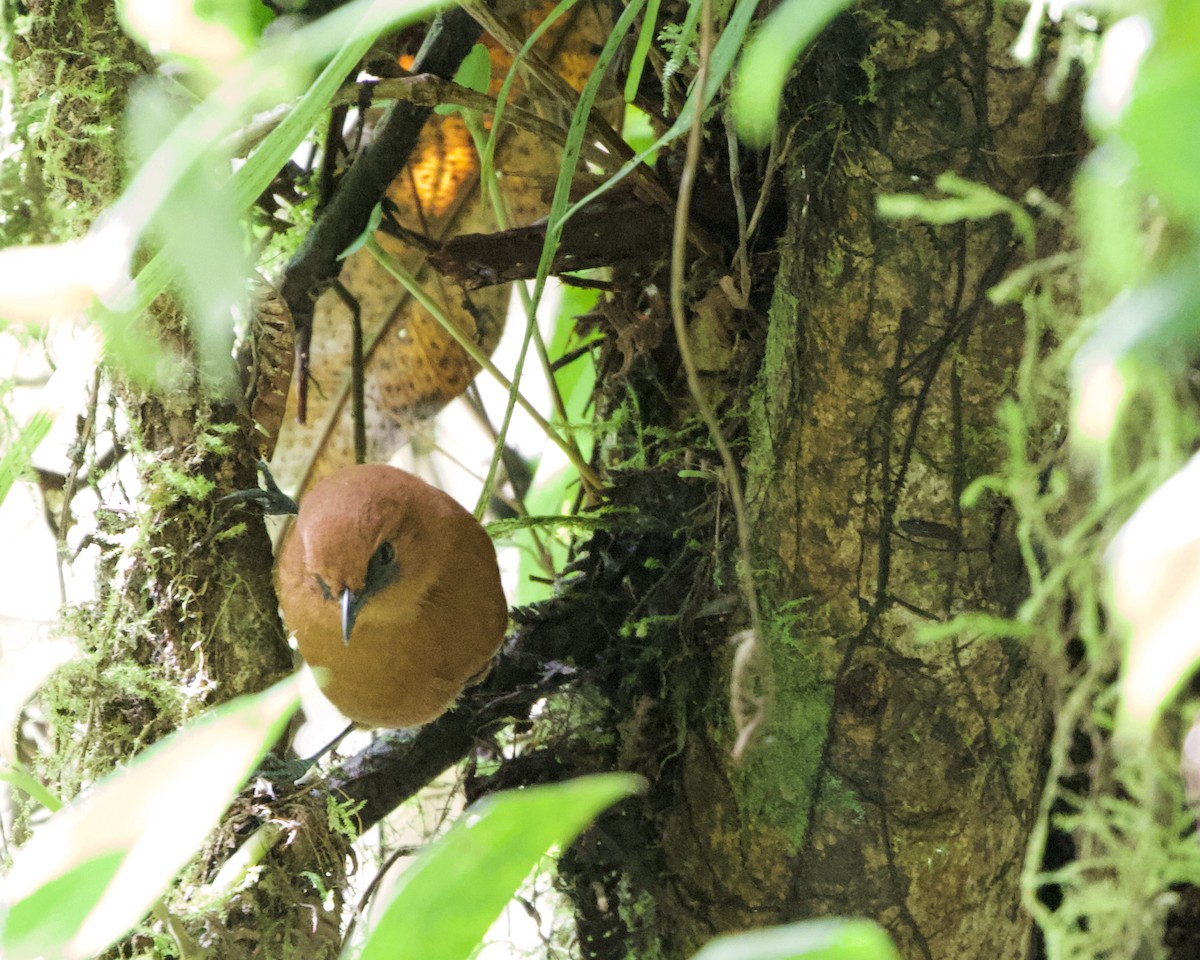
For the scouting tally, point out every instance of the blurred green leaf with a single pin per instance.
(245, 19)
(769, 56)
(825, 939)
(20, 452)
(199, 229)
(976, 624)
(1110, 211)
(105, 859)
(344, 34)
(1156, 325)
(213, 35)
(1160, 124)
(44, 923)
(967, 201)
(1162, 118)
(446, 901)
(1143, 335)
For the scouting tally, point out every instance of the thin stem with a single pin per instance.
(751, 649)
(409, 282)
(742, 258)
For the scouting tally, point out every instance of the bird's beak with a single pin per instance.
(350, 605)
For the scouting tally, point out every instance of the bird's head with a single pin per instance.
(366, 546)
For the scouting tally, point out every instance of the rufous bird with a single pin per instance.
(393, 589)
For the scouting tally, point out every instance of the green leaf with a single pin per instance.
(18, 456)
(638, 132)
(46, 922)
(474, 73)
(576, 378)
(446, 901)
(638, 61)
(1109, 209)
(110, 855)
(359, 242)
(20, 778)
(769, 56)
(245, 19)
(826, 939)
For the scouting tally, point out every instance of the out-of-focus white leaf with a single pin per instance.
(1122, 48)
(172, 27)
(43, 283)
(214, 33)
(99, 864)
(23, 672)
(1155, 568)
(1154, 327)
(1100, 391)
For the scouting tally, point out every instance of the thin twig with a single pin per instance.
(750, 649)
(586, 474)
(372, 887)
(500, 211)
(358, 403)
(773, 158)
(742, 257)
(71, 480)
(598, 128)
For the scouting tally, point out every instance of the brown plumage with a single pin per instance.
(392, 588)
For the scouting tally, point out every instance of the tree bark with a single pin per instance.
(896, 778)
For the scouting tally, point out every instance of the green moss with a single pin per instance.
(638, 912)
(841, 798)
(71, 67)
(781, 773)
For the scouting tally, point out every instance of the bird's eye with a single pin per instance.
(382, 568)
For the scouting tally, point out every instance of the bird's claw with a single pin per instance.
(274, 502)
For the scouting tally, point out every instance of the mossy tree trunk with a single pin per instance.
(185, 615)
(897, 778)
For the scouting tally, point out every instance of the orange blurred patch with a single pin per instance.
(412, 366)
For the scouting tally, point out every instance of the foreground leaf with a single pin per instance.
(447, 900)
(826, 939)
(103, 861)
